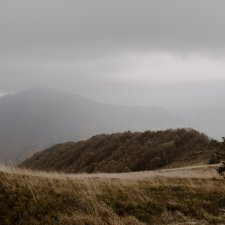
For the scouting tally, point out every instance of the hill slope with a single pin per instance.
(38, 118)
(29, 198)
(124, 152)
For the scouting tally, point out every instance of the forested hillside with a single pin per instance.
(124, 152)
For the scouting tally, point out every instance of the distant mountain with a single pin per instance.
(125, 152)
(38, 118)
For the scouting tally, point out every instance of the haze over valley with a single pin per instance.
(37, 118)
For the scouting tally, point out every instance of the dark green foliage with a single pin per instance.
(221, 169)
(124, 152)
(221, 156)
(214, 159)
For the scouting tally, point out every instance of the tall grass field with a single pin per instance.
(192, 195)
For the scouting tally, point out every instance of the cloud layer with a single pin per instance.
(84, 26)
(97, 47)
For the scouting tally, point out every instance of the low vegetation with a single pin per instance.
(221, 156)
(28, 198)
(125, 152)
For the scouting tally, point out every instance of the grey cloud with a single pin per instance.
(79, 44)
(89, 27)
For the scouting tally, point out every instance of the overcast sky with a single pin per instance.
(141, 52)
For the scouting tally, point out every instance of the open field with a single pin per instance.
(192, 195)
(202, 171)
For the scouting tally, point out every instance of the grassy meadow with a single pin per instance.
(193, 195)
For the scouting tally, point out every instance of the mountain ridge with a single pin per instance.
(35, 119)
(127, 152)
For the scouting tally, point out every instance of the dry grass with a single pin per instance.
(194, 195)
(202, 171)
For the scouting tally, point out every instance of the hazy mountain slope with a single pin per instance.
(124, 152)
(37, 118)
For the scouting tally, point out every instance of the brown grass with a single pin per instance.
(194, 195)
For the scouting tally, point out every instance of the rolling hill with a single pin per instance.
(125, 152)
(35, 119)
